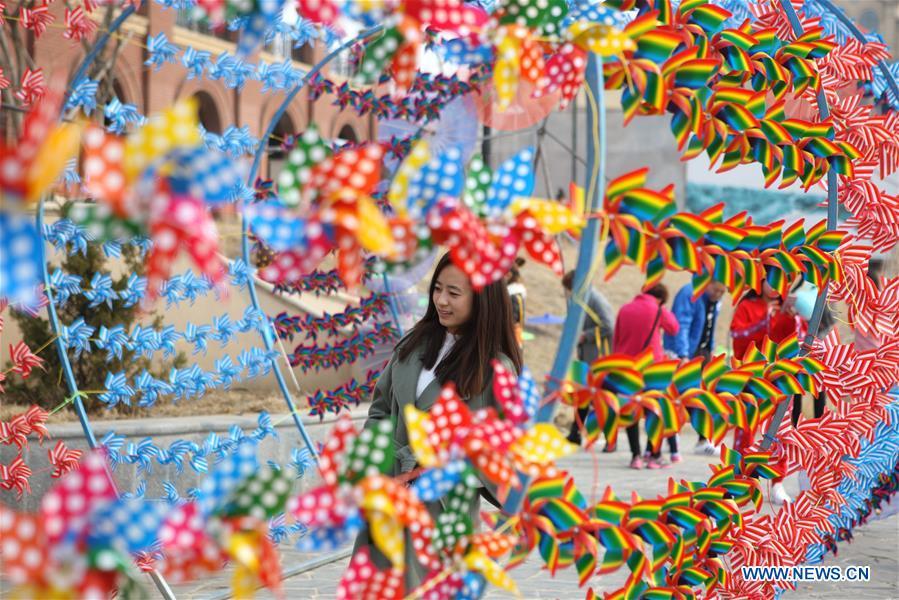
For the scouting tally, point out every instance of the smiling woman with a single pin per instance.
(461, 332)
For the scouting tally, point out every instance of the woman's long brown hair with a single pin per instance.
(487, 334)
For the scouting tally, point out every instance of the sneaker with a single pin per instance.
(657, 463)
(779, 495)
(609, 448)
(676, 458)
(574, 437)
(706, 448)
(636, 463)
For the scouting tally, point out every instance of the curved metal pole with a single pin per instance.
(245, 226)
(61, 346)
(595, 189)
(857, 33)
(832, 205)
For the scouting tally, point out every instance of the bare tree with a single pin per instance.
(25, 21)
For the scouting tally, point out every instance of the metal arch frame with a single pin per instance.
(595, 182)
(245, 224)
(61, 347)
(814, 324)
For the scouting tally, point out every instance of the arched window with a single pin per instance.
(276, 154)
(348, 134)
(208, 113)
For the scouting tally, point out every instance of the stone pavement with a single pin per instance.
(876, 544)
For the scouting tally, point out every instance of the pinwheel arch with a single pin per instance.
(589, 244)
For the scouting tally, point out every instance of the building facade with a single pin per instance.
(152, 90)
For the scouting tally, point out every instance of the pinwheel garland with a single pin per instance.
(16, 431)
(356, 485)
(715, 398)
(646, 232)
(431, 186)
(159, 178)
(704, 85)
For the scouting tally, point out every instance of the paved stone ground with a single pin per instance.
(876, 544)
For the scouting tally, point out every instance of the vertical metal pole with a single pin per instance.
(486, 144)
(595, 189)
(574, 148)
(832, 206)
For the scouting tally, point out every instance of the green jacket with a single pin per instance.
(395, 389)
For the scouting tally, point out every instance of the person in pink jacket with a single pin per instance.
(637, 328)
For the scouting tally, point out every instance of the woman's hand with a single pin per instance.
(406, 478)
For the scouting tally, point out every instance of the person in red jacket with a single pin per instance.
(757, 316)
(637, 328)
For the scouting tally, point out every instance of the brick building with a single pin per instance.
(152, 91)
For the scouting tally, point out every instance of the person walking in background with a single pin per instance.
(456, 340)
(636, 329)
(595, 339)
(696, 336)
(517, 294)
(756, 317)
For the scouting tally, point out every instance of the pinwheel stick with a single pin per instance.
(832, 205)
(595, 186)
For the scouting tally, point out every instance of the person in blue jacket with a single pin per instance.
(696, 335)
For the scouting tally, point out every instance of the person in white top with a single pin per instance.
(461, 333)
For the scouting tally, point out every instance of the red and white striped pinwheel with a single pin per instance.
(17, 429)
(31, 86)
(63, 459)
(37, 18)
(15, 476)
(23, 359)
(78, 24)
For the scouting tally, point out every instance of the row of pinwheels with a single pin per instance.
(672, 541)
(324, 202)
(84, 539)
(715, 398)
